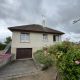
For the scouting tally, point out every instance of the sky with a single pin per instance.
(59, 15)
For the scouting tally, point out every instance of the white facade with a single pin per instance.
(36, 41)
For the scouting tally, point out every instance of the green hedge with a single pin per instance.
(66, 54)
(67, 66)
(42, 59)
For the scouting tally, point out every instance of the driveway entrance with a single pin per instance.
(18, 68)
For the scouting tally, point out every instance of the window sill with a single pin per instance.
(25, 42)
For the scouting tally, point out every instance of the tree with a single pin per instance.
(2, 46)
(8, 40)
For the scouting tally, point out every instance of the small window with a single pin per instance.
(55, 37)
(45, 37)
(25, 37)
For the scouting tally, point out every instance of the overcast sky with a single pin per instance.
(59, 14)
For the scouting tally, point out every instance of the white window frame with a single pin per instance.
(45, 37)
(24, 37)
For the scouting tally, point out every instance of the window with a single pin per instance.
(25, 37)
(55, 37)
(45, 37)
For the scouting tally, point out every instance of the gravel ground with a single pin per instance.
(18, 68)
(49, 74)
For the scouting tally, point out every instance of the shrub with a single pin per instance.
(66, 54)
(61, 47)
(67, 66)
(42, 59)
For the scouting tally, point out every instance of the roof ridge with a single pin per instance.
(35, 28)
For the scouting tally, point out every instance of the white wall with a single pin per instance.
(36, 42)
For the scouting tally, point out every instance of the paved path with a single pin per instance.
(49, 74)
(18, 68)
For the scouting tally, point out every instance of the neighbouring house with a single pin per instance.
(27, 39)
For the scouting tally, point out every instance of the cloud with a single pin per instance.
(4, 32)
(20, 10)
(59, 14)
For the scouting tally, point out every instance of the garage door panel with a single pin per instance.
(24, 53)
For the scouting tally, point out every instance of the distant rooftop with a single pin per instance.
(35, 28)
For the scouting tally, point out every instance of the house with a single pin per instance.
(27, 39)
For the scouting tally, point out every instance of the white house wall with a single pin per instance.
(36, 42)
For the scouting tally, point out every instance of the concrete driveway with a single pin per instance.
(18, 68)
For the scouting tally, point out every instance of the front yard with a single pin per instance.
(49, 74)
(18, 68)
(62, 59)
(65, 56)
(26, 70)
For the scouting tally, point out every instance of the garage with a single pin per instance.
(22, 53)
